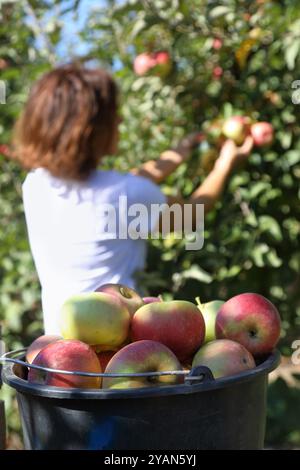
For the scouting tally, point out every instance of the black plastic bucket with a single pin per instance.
(227, 413)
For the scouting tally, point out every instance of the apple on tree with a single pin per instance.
(262, 133)
(163, 63)
(224, 358)
(158, 63)
(177, 324)
(70, 355)
(143, 63)
(217, 43)
(251, 320)
(142, 356)
(236, 128)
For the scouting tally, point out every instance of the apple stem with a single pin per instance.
(160, 298)
(198, 301)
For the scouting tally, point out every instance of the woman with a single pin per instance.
(69, 123)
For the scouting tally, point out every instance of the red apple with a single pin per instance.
(251, 320)
(217, 72)
(224, 358)
(157, 62)
(4, 64)
(142, 356)
(128, 297)
(39, 344)
(70, 355)
(163, 63)
(143, 63)
(236, 128)
(95, 318)
(262, 133)
(4, 149)
(217, 44)
(150, 300)
(177, 324)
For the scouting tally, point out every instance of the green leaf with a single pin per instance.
(291, 53)
(218, 11)
(195, 272)
(268, 224)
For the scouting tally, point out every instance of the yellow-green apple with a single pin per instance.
(150, 300)
(224, 358)
(95, 318)
(177, 324)
(251, 320)
(262, 133)
(39, 344)
(142, 356)
(236, 128)
(128, 297)
(209, 312)
(70, 355)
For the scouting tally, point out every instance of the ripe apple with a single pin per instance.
(4, 64)
(224, 358)
(70, 355)
(262, 133)
(128, 297)
(217, 72)
(157, 62)
(163, 63)
(217, 44)
(95, 318)
(150, 300)
(177, 324)
(251, 320)
(4, 149)
(142, 356)
(39, 344)
(236, 128)
(143, 63)
(209, 312)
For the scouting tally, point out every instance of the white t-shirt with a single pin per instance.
(74, 247)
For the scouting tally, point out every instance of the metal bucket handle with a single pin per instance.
(196, 375)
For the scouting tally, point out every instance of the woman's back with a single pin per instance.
(75, 245)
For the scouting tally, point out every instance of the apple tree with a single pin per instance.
(235, 58)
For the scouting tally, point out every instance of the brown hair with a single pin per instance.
(69, 122)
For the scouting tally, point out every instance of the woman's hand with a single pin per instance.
(187, 144)
(158, 170)
(231, 155)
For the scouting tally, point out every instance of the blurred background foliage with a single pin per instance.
(252, 236)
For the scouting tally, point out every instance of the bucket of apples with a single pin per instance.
(130, 368)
